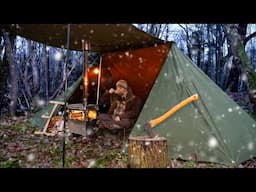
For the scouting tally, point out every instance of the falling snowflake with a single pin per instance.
(138, 126)
(89, 131)
(92, 163)
(244, 77)
(147, 143)
(57, 56)
(191, 143)
(230, 64)
(250, 146)
(30, 157)
(165, 74)
(194, 51)
(123, 151)
(40, 102)
(179, 79)
(12, 103)
(253, 125)
(127, 53)
(230, 110)
(179, 148)
(212, 159)
(212, 142)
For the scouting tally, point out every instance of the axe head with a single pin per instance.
(147, 127)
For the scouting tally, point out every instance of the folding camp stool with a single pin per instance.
(44, 132)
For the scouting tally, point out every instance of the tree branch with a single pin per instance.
(249, 37)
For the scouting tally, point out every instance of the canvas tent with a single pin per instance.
(215, 128)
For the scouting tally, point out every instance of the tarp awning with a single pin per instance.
(103, 37)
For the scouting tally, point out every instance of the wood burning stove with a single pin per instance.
(79, 116)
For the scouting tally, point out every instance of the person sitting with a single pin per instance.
(124, 107)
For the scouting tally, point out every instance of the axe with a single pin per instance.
(152, 123)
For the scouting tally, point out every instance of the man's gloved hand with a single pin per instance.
(111, 91)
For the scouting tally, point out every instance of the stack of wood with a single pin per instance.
(55, 124)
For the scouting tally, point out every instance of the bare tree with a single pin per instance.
(188, 41)
(45, 63)
(13, 78)
(241, 61)
(3, 72)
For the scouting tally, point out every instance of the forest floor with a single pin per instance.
(21, 148)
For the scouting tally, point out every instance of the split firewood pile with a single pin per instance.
(56, 125)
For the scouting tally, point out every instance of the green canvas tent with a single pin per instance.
(214, 128)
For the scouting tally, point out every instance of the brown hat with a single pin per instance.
(122, 83)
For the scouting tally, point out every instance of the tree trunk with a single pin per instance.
(3, 73)
(46, 68)
(35, 75)
(13, 74)
(241, 59)
(144, 152)
(188, 43)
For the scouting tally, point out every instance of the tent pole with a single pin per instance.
(85, 47)
(65, 98)
(98, 84)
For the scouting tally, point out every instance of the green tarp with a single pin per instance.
(215, 128)
(40, 122)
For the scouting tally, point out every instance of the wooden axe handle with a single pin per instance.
(177, 107)
(149, 125)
